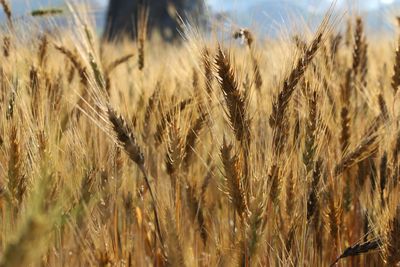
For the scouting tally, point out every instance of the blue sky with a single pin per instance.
(267, 13)
(226, 4)
(315, 4)
(238, 4)
(229, 4)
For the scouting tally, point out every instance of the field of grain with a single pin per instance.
(277, 152)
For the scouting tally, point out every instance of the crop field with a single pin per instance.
(234, 151)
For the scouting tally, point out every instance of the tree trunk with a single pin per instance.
(122, 17)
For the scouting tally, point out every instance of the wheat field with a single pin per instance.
(277, 152)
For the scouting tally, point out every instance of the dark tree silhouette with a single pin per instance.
(122, 16)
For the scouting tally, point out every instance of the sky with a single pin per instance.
(319, 4)
(230, 4)
(244, 12)
(226, 5)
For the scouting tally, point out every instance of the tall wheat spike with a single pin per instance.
(234, 99)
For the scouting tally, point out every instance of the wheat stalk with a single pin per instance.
(359, 249)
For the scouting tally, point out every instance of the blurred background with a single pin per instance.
(267, 16)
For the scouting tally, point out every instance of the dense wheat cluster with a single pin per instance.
(280, 152)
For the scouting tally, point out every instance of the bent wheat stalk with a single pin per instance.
(127, 140)
(358, 249)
